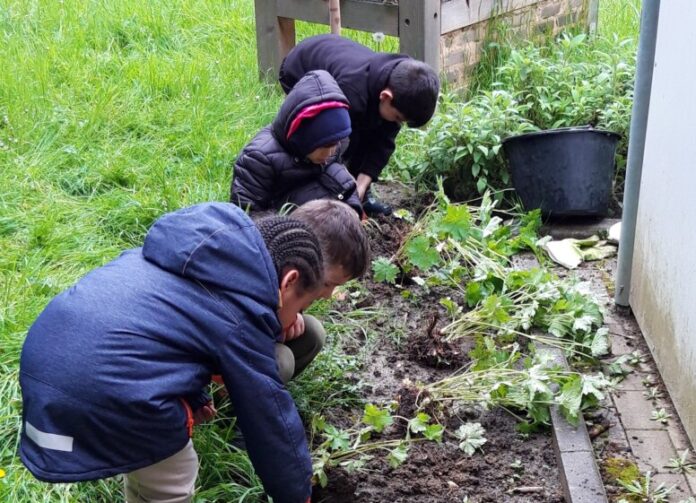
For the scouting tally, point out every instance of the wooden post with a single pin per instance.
(593, 16)
(419, 30)
(275, 36)
(335, 16)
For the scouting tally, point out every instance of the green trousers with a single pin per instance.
(294, 356)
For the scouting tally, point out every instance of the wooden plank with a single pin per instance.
(458, 14)
(593, 16)
(286, 37)
(355, 14)
(419, 30)
(267, 38)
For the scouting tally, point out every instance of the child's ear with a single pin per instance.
(289, 280)
(386, 95)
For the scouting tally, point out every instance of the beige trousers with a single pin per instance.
(172, 480)
(294, 356)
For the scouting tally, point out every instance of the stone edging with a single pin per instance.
(580, 476)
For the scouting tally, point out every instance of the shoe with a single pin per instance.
(374, 207)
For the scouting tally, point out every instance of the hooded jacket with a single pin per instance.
(269, 172)
(105, 366)
(361, 74)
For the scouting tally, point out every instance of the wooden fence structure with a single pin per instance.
(421, 25)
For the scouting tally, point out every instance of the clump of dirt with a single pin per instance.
(432, 350)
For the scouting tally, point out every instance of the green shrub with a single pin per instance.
(573, 81)
(463, 143)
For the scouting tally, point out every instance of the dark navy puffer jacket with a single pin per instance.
(269, 173)
(361, 74)
(106, 364)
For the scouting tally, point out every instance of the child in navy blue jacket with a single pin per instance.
(113, 370)
(383, 90)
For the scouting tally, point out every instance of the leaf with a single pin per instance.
(339, 440)
(377, 418)
(419, 423)
(600, 343)
(434, 432)
(570, 398)
(481, 184)
(471, 436)
(421, 254)
(398, 455)
(384, 271)
(592, 385)
(483, 149)
(456, 222)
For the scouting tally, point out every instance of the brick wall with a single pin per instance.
(460, 50)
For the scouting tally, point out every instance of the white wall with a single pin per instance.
(663, 286)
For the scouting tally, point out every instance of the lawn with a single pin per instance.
(111, 114)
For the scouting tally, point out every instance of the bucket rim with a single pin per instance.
(564, 130)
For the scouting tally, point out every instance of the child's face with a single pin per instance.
(322, 155)
(293, 298)
(333, 276)
(387, 111)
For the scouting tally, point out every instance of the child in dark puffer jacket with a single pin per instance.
(297, 158)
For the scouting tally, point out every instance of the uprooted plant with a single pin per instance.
(501, 378)
(529, 300)
(353, 447)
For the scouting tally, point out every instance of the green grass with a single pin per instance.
(113, 112)
(619, 17)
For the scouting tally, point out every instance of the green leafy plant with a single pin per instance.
(643, 489)
(661, 416)
(682, 464)
(531, 389)
(384, 271)
(354, 447)
(471, 437)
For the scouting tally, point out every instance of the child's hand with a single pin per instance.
(205, 413)
(294, 330)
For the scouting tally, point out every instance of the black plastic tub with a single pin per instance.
(564, 172)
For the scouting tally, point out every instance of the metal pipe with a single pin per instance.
(636, 147)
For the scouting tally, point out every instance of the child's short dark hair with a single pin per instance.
(293, 245)
(415, 87)
(343, 239)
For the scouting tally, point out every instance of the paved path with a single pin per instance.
(632, 434)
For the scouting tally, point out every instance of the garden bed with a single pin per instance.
(410, 349)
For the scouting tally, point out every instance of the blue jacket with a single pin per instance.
(106, 364)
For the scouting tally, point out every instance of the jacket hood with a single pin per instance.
(217, 245)
(315, 87)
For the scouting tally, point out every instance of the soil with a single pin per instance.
(511, 467)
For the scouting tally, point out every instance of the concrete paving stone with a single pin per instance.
(635, 411)
(691, 480)
(652, 449)
(580, 478)
(681, 489)
(621, 344)
(635, 381)
(679, 439)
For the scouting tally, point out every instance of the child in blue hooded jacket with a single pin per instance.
(113, 370)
